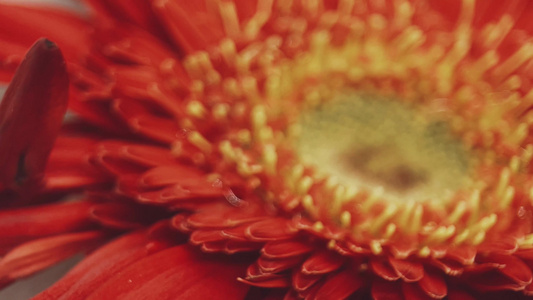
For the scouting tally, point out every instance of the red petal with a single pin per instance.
(191, 26)
(513, 267)
(450, 267)
(277, 265)
(526, 254)
(410, 271)
(507, 245)
(141, 156)
(492, 281)
(62, 26)
(176, 272)
(37, 255)
(270, 229)
(280, 282)
(302, 282)
(460, 295)
(101, 265)
(118, 165)
(225, 215)
(340, 286)
(20, 225)
(383, 269)
(69, 164)
(412, 291)
(138, 12)
(148, 155)
(238, 246)
(141, 120)
(322, 263)
(124, 216)
(464, 255)
(386, 290)
(433, 285)
(31, 114)
(98, 113)
(254, 273)
(256, 277)
(203, 236)
(281, 249)
(10, 55)
(529, 290)
(168, 175)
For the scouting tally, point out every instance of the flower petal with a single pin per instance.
(322, 262)
(190, 26)
(433, 285)
(278, 282)
(178, 271)
(69, 165)
(410, 271)
(138, 12)
(386, 290)
(281, 249)
(459, 295)
(125, 216)
(514, 268)
(104, 263)
(37, 255)
(226, 216)
(277, 265)
(340, 286)
(31, 114)
(62, 26)
(21, 225)
(412, 291)
(270, 229)
(168, 175)
(302, 282)
(141, 120)
(383, 269)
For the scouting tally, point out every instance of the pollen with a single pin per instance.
(364, 123)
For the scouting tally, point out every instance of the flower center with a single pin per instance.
(374, 143)
(279, 119)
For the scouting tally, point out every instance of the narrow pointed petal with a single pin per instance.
(31, 114)
(178, 272)
(21, 225)
(105, 262)
(37, 255)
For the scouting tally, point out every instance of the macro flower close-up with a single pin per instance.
(268, 149)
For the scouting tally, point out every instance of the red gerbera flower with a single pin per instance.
(262, 149)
